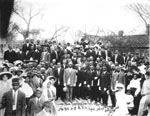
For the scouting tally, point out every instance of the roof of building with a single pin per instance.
(135, 41)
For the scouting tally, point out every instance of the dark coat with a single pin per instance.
(10, 56)
(7, 101)
(105, 81)
(96, 81)
(34, 107)
(119, 59)
(90, 77)
(25, 48)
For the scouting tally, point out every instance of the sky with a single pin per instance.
(85, 15)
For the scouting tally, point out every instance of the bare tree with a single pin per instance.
(26, 17)
(58, 32)
(142, 10)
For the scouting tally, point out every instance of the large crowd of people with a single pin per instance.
(34, 76)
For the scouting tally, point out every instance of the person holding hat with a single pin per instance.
(14, 100)
(69, 79)
(4, 85)
(145, 92)
(58, 73)
(35, 104)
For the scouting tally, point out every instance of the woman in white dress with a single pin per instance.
(4, 86)
(121, 101)
(49, 93)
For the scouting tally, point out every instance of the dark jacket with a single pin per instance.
(10, 56)
(7, 101)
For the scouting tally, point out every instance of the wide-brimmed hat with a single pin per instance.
(52, 77)
(18, 62)
(9, 75)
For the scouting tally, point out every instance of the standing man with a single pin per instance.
(69, 79)
(14, 100)
(45, 56)
(104, 85)
(58, 73)
(35, 104)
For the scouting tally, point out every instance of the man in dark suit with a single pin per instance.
(58, 73)
(10, 55)
(89, 80)
(35, 104)
(105, 53)
(26, 47)
(96, 82)
(14, 100)
(105, 85)
(54, 55)
(117, 58)
(20, 55)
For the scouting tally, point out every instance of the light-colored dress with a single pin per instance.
(145, 98)
(4, 87)
(121, 103)
(48, 94)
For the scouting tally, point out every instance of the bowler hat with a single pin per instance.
(15, 81)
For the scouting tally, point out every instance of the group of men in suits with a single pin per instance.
(81, 72)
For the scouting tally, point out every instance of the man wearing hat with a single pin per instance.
(14, 100)
(35, 104)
